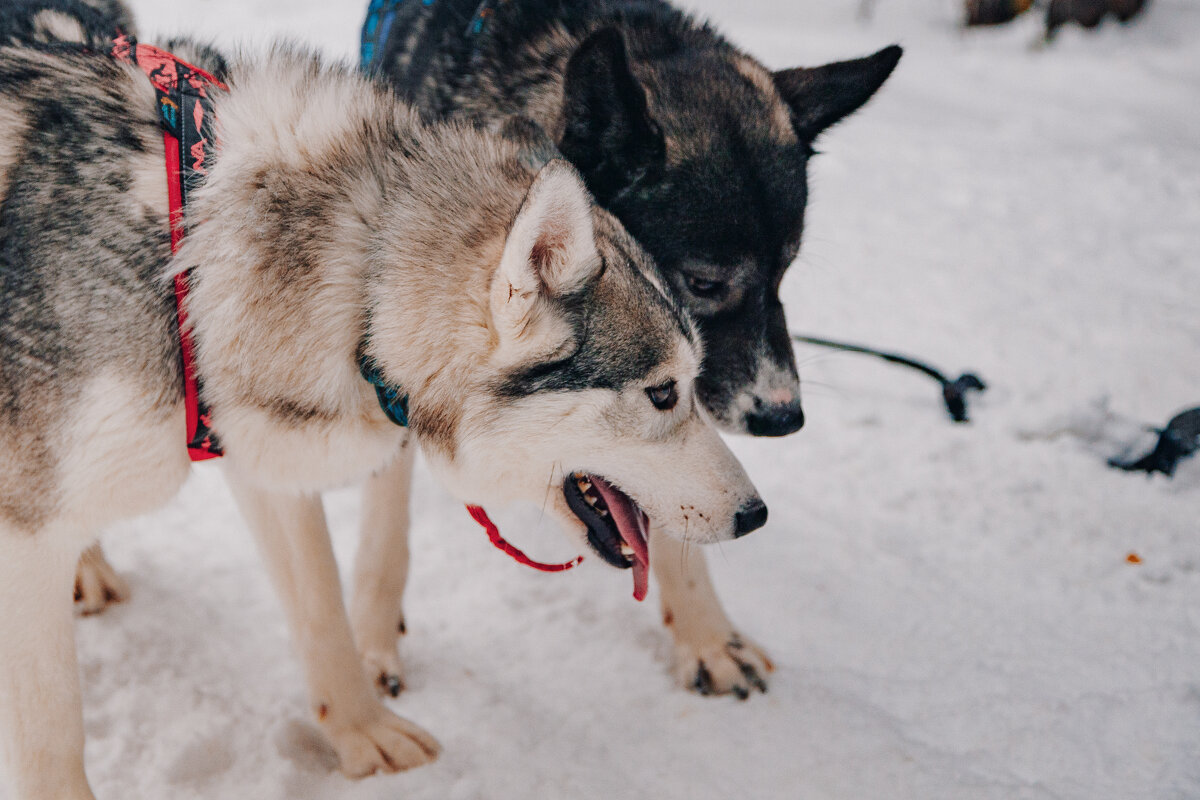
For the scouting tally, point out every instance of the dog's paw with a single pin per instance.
(384, 743)
(725, 665)
(97, 584)
(385, 670)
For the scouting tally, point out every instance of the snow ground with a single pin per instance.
(950, 607)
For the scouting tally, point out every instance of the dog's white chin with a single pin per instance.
(572, 526)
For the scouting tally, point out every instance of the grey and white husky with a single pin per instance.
(702, 153)
(472, 270)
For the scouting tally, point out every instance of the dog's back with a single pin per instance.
(93, 23)
(486, 60)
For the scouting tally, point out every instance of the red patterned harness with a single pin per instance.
(185, 113)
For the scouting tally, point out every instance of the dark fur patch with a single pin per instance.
(100, 21)
(435, 426)
(288, 410)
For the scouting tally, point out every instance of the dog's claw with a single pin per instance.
(725, 665)
(97, 584)
(391, 684)
(385, 670)
(754, 679)
(703, 682)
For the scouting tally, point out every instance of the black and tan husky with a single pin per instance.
(702, 152)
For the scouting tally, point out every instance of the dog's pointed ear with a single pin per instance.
(821, 96)
(550, 252)
(609, 133)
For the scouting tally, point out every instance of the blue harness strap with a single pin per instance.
(392, 399)
(381, 14)
(381, 18)
(483, 14)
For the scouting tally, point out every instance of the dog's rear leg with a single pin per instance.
(380, 572)
(41, 718)
(97, 584)
(711, 657)
(295, 543)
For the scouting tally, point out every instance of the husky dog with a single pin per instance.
(335, 230)
(702, 153)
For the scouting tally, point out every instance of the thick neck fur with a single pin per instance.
(333, 217)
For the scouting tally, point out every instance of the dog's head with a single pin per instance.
(582, 398)
(703, 154)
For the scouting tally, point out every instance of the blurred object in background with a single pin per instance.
(1127, 9)
(995, 12)
(1089, 13)
(1179, 440)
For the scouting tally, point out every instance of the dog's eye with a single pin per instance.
(702, 287)
(664, 397)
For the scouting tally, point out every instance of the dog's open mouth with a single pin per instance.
(617, 528)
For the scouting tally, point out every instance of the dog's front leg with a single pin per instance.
(295, 542)
(711, 657)
(41, 718)
(380, 572)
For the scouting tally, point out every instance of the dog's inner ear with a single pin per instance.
(550, 253)
(609, 133)
(821, 96)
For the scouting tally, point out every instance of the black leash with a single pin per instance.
(954, 392)
(1178, 440)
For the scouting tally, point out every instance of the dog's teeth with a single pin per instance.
(626, 551)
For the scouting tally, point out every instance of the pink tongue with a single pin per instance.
(631, 523)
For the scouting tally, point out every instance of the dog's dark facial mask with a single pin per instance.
(703, 155)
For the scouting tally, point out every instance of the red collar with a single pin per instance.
(185, 113)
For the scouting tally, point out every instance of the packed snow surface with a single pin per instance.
(952, 609)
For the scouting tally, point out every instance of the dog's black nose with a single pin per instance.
(751, 517)
(775, 420)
